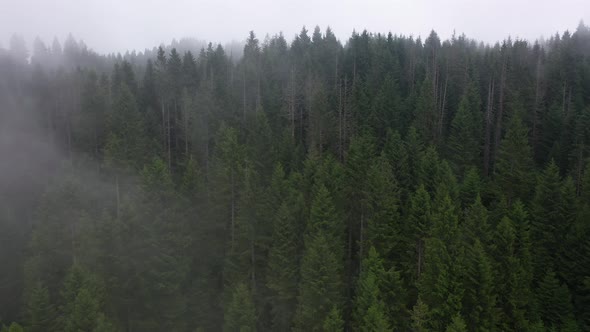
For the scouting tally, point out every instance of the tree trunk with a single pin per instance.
(488, 128)
(500, 115)
(536, 110)
(169, 140)
(340, 111)
(361, 238)
(233, 208)
(244, 95)
(118, 196)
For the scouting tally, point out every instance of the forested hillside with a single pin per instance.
(382, 183)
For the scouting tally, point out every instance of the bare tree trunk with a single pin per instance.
(420, 253)
(233, 209)
(361, 238)
(258, 94)
(488, 128)
(442, 109)
(164, 131)
(579, 169)
(292, 106)
(340, 111)
(244, 94)
(118, 196)
(175, 126)
(336, 81)
(169, 140)
(500, 115)
(412, 77)
(536, 110)
(69, 136)
(563, 110)
(186, 129)
(345, 116)
(354, 72)
(253, 262)
(230, 66)
(73, 242)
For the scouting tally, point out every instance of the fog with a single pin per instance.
(117, 26)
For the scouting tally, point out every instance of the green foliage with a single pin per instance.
(382, 209)
(334, 322)
(240, 314)
(554, 300)
(15, 327)
(420, 317)
(479, 301)
(320, 288)
(394, 150)
(457, 325)
(39, 309)
(125, 146)
(440, 284)
(83, 297)
(426, 116)
(370, 312)
(419, 226)
(104, 325)
(464, 137)
(514, 161)
(283, 272)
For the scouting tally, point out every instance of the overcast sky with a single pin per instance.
(119, 25)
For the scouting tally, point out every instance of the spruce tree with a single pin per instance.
(240, 314)
(554, 300)
(15, 327)
(394, 150)
(283, 269)
(546, 217)
(419, 225)
(514, 161)
(440, 284)
(82, 295)
(39, 310)
(384, 226)
(320, 288)
(479, 300)
(457, 325)
(464, 138)
(334, 322)
(370, 313)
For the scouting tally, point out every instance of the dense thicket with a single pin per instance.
(390, 183)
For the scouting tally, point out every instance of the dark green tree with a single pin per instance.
(39, 309)
(240, 314)
(514, 161)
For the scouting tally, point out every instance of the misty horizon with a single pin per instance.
(160, 22)
(267, 36)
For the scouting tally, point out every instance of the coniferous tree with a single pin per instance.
(514, 161)
(457, 325)
(370, 312)
(440, 284)
(464, 137)
(240, 314)
(40, 311)
(334, 322)
(320, 288)
(555, 301)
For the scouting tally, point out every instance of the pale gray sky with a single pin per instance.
(118, 25)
